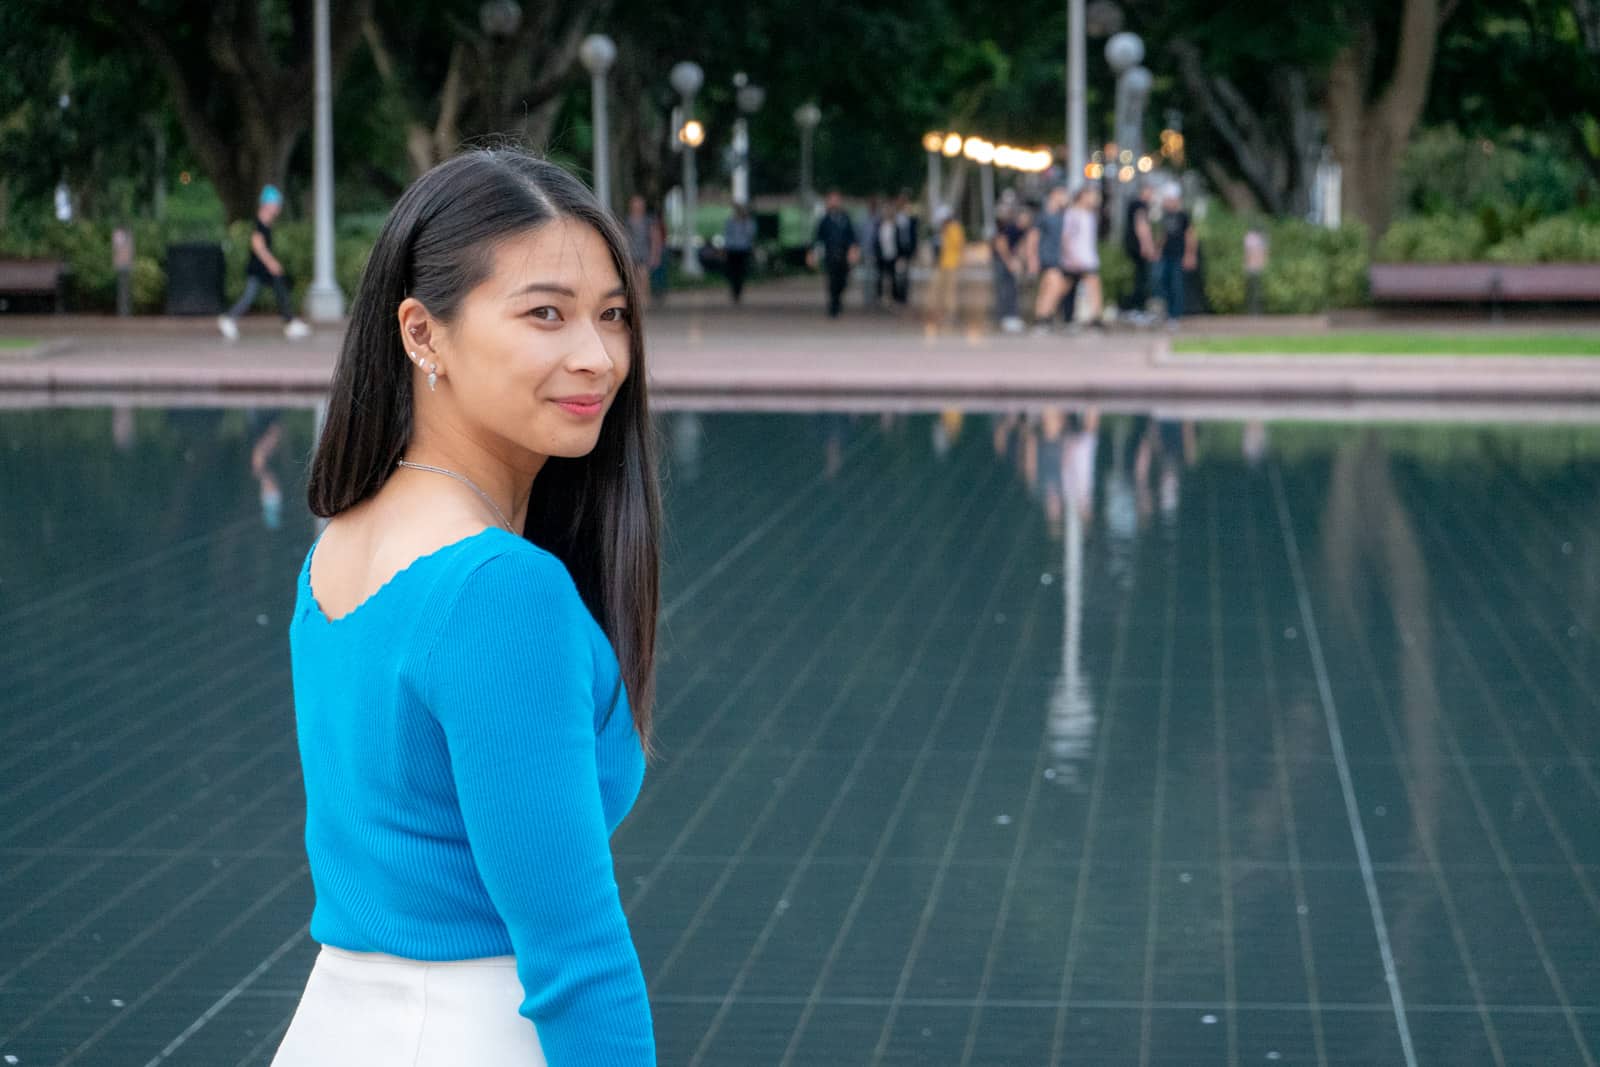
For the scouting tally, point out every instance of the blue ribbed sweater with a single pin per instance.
(464, 768)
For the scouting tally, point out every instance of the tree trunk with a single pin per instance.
(1368, 137)
(247, 143)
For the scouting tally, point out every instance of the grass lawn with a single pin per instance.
(18, 342)
(1399, 343)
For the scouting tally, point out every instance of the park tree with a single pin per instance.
(237, 73)
(463, 71)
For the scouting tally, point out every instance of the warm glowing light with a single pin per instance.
(1125, 156)
(932, 142)
(952, 145)
(1094, 171)
(184, 178)
(1125, 174)
(979, 151)
(1146, 164)
(693, 133)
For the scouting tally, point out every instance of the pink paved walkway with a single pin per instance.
(780, 349)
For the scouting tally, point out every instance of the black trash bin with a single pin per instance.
(195, 278)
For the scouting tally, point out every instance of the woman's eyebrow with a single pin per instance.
(562, 290)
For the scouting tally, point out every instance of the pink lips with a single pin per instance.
(583, 406)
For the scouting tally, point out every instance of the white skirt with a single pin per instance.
(365, 1009)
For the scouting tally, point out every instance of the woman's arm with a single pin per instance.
(510, 680)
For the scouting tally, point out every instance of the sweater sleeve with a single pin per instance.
(510, 680)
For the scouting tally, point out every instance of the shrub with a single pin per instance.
(1439, 239)
(1309, 268)
(1560, 239)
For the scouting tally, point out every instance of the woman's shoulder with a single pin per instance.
(499, 571)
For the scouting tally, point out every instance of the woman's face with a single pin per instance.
(538, 350)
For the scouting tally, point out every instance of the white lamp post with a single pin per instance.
(807, 116)
(1077, 89)
(982, 153)
(324, 301)
(598, 52)
(686, 79)
(750, 98)
(932, 144)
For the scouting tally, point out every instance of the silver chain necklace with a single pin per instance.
(464, 480)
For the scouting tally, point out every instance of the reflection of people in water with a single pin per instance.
(687, 434)
(266, 427)
(1165, 446)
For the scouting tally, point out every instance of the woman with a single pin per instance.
(468, 736)
(1081, 253)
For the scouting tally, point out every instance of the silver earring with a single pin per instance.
(433, 377)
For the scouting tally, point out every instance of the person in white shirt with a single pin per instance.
(1080, 251)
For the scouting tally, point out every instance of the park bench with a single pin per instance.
(1485, 283)
(37, 278)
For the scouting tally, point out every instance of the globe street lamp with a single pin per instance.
(687, 78)
(1124, 53)
(598, 52)
(749, 98)
(807, 116)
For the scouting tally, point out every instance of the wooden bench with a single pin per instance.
(1484, 283)
(42, 278)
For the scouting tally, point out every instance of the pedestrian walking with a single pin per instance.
(905, 238)
(646, 243)
(1081, 255)
(738, 244)
(944, 303)
(872, 278)
(836, 248)
(1180, 251)
(264, 269)
(1008, 257)
(1044, 258)
(1139, 244)
(1255, 265)
(886, 254)
(472, 655)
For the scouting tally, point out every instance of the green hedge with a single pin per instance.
(1310, 269)
(1491, 235)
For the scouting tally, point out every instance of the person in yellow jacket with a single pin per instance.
(943, 303)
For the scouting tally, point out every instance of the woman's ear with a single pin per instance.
(416, 326)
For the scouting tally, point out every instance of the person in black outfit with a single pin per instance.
(1180, 251)
(1139, 242)
(264, 269)
(905, 232)
(836, 237)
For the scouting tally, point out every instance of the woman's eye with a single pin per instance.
(615, 314)
(546, 314)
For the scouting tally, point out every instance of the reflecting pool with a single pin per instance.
(1029, 738)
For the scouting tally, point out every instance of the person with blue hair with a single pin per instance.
(264, 269)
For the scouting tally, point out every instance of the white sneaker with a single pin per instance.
(1011, 324)
(296, 330)
(229, 328)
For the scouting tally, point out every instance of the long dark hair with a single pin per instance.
(600, 513)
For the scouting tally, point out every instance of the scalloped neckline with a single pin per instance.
(315, 605)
